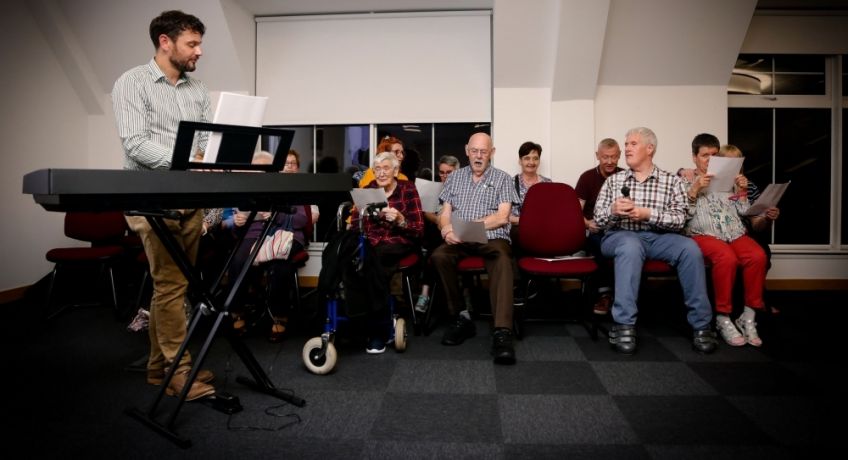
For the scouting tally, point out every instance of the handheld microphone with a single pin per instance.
(625, 190)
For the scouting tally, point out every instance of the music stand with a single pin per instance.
(238, 144)
(236, 155)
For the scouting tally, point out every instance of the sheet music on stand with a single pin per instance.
(234, 109)
(768, 199)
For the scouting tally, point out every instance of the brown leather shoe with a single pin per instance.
(198, 389)
(156, 376)
(602, 306)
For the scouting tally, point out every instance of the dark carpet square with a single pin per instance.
(689, 420)
(751, 378)
(649, 349)
(682, 348)
(650, 378)
(729, 452)
(442, 376)
(438, 417)
(432, 450)
(574, 451)
(548, 377)
(559, 419)
(548, 348)
(794, 420)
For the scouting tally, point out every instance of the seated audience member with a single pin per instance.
(641, 210)
(529, 157)
(387, 144)
(759, 227)
(410, 164)
(280, 272)
(715, 223)
(588, 187)
(392, 234)
(479, 192)
(432, 237)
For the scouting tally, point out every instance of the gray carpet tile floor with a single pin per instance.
(569, 396)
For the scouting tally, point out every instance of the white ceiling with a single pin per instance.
(277, 7)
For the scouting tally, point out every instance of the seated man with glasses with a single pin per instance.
(479, 192)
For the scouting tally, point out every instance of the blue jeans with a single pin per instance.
(631, 249)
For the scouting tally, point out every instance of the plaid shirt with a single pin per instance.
(662, 192)
(405, 199)
(471, 200)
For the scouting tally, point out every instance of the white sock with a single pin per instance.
(465, 314)
(425, 290)
(722, 318)
(748, 314)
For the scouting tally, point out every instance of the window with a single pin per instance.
(783, 123)
(347, 149)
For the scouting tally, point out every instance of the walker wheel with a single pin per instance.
(313, 359)
(400, 335)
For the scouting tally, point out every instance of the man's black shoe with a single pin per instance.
(704, 341)
(622, 337)
(502, 348)
(458, 331)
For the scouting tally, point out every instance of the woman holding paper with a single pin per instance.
(716, 224)
(393, 231)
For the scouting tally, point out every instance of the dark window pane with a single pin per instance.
(802, 153)
(844, 77)
(750, 130)
(337, 148)
(417, 144)
(451, 138)
(301, 143)
(798, 63)
(844, 177)
(778, 74)
(799, 84)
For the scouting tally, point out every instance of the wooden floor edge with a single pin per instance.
(13, 294)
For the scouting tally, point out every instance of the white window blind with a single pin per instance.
(375, 68)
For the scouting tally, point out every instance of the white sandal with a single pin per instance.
(729, 333)
(749, 329)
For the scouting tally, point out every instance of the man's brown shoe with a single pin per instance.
(156, 376)
(602, 306)
(198, 389)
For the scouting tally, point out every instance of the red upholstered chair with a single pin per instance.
(104, 231)
(552, 226)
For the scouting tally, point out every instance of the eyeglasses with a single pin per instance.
(398, 152)
(444, 173)
(292, 164)
(383, 170)
(473, 151)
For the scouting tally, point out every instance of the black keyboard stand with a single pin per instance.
(205, 306)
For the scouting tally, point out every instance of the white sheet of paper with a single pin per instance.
(768, 199)
(469, 231)
(234, 109)
(429, 191)
(362, 197)
(724, 171)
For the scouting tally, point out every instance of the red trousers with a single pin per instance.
(725, 259)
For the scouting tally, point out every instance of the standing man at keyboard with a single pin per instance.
(149, 102)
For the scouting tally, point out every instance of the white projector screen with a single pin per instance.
(375, 68)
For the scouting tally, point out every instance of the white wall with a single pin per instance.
(44, 123)
(675, 114)
(521, 115)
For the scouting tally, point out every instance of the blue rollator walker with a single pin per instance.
(319, 353)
